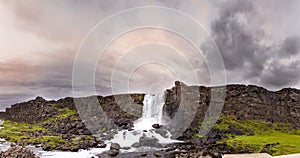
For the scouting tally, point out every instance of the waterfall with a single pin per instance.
(153, 106)
(152, 111)
(151, 114)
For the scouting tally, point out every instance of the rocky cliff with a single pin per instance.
(244, 102)
(60, 119)
(57, 125)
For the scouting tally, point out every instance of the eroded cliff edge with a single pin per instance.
(244, 102)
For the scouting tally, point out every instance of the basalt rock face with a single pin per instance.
(119, 111)
(32, 111)
(243, 102)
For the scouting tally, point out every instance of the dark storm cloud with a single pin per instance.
(290, 47)
(242, 43)
(280, 74)
(58, 27)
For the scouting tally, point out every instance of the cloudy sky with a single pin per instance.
(259, 42)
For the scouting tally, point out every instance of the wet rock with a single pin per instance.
(101, 145)
(18, 152)
(13, 145)
(162, 132)
(157, 154)
(149, 141)
(136, 145)
(170, 149)
(114, 149)
(113, 152)
(74, 149)
(143, 154)
(99, 155)
(216, 155)
(156, 126)
(115, 146)
(126, 148)
(46, 147)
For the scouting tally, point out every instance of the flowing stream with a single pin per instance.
(152, 114)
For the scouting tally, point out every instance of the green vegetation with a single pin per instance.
(63, 113)
(168, 102)
(66, 112)
(16, 132)
(282, 139)
(22, 132)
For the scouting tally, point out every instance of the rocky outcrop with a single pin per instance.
(117, 108)
(64, 119)
(61, 120)
(244, 102)
(18, 152)
(32, 111)
(71, 124)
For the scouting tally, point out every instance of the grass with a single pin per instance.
(288, 143)
(20, 132)
(66, 112)
(287, 140)
(15, 132)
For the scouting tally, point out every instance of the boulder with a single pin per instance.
(115, 146)
(156, 126)
(149, 141)
(157, 154)
(162, 132)
(113, 152)
(18, 152)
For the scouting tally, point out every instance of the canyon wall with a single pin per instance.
(244, 102)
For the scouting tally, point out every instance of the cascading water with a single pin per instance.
(151, 114)
(152, 111)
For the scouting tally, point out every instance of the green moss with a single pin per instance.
(63, 114)
(140, 97)
(168, 102)
(19, 132)
(55, 105)
(264, 133)
(66, 112)
(77, 139)
(54, 142)
(101, 100)
(19, 127)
